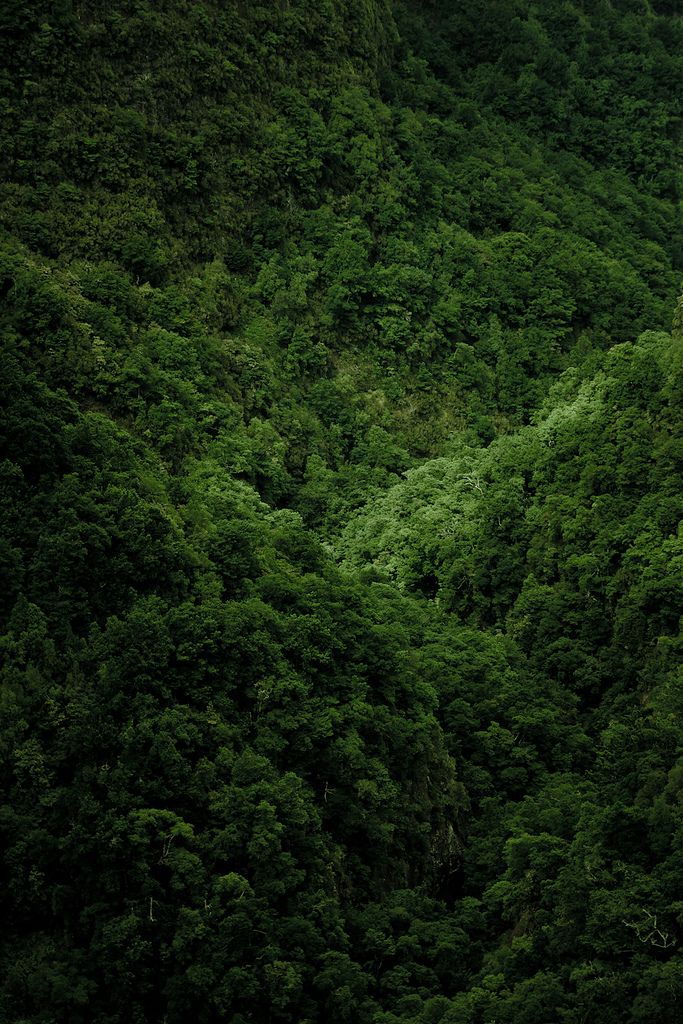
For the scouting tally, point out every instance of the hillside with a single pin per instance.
(341, 501)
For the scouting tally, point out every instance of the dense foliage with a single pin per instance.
(341, 498)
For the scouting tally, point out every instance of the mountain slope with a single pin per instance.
(340, 512)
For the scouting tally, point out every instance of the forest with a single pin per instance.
(341, 485)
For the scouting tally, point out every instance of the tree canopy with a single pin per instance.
(341, 499)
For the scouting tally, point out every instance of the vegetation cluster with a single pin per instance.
(340, 494)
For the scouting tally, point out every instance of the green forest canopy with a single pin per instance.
(341, 499)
